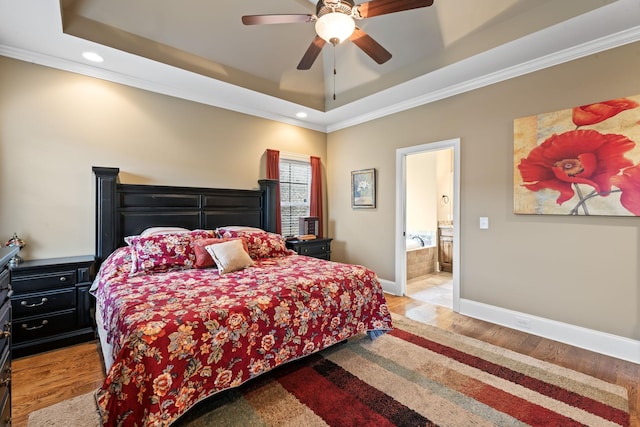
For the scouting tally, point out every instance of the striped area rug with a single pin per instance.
(419, 375)
(416, 375)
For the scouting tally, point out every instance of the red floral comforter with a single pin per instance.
(181, 336)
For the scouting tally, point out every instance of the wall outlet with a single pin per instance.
(523, 322)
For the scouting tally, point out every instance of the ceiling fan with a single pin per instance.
(335, 23)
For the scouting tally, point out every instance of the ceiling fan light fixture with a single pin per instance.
(335, 27)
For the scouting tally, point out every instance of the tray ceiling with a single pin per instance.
(201, 49)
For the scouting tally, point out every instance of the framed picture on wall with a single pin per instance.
(583, 160)
(363, 189)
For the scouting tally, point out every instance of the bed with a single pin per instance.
(175, 330)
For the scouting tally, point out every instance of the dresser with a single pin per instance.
(6, 253)
(317, 248)
(51, 303)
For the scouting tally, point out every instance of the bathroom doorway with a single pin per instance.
(426, 249)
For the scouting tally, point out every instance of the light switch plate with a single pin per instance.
(484, 223)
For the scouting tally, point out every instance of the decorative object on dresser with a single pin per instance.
(308, 225)
(16, 242)
(51, 303)
(317, 248)
(6, 254)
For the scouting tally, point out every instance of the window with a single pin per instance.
(295, 188)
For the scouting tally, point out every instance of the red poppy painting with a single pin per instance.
(579, 161)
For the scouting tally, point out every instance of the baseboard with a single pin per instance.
(599, 342)
(390, 287)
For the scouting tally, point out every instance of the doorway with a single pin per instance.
(427, 222)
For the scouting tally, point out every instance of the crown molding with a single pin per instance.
(448, 88)
(610, 26)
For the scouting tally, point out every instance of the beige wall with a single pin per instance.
(55, 125)
(581, 271)
(422, 198)
(445, 184)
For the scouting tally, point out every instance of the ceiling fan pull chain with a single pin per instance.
(334, 72)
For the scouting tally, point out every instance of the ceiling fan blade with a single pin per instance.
(370, 46)
(312, 53)
(276, 19)
(382, 7)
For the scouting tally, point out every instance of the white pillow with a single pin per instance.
(229, 256)
(239, 228)
(152, 231)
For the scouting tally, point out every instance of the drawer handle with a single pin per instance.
(42, 301)
(26, 327)
(63, 279)
(6, 332)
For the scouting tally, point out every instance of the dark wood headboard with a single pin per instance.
(127, 209)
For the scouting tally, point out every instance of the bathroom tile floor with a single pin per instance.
(434, 288)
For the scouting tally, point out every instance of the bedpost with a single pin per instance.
(106, 181)
(269, 187)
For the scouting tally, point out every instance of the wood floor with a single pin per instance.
(44, 379)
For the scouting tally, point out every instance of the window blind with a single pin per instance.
(295, 187)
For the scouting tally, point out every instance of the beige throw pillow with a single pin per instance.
(229, 256)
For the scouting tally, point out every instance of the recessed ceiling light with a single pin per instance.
(301, 115)
(92, 56)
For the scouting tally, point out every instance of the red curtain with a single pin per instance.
(315, 205)
(273, 172)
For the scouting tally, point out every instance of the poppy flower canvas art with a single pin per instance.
(579, 161)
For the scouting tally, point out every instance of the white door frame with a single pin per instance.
(400, 286)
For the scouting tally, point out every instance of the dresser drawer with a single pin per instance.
(43, 326)
(41, 282)
(43, 302)
(311, 249)
(5, 371)
(5, 326)
(5, 285)
(5, 408)
(317, 248)
(446, 232)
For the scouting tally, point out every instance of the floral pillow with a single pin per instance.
(261, 244)
(203, 257)
(162, 252)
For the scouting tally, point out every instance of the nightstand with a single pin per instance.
(51, 303)
(317, 248)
